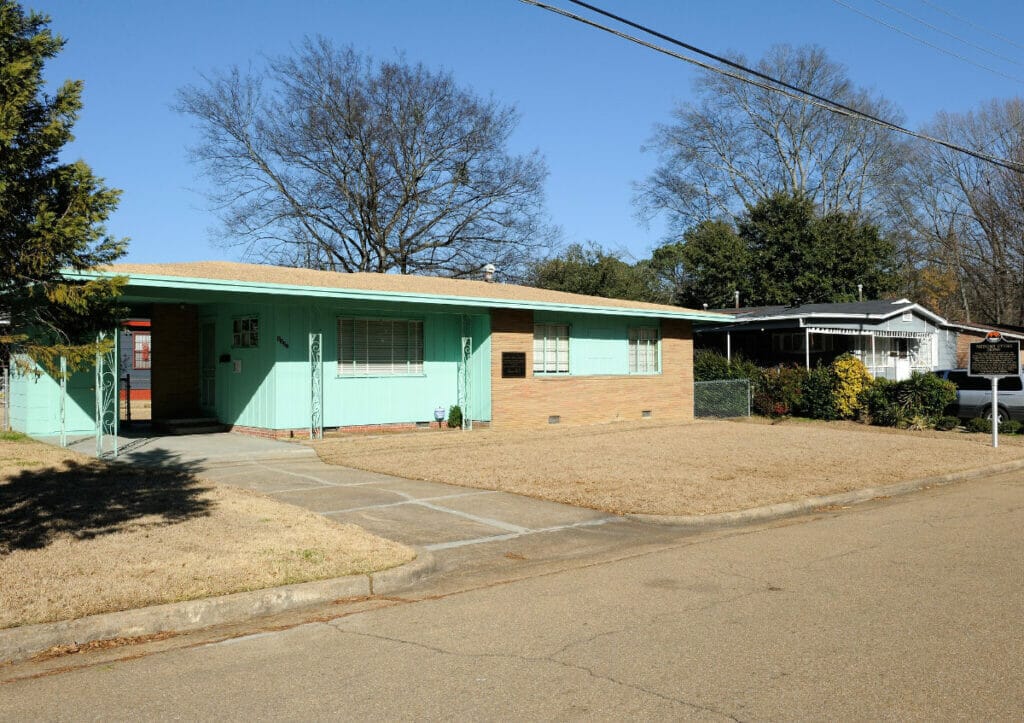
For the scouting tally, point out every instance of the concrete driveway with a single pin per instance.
(426, 514)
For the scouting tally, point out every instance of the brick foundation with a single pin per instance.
(303, 432)
(530, 402)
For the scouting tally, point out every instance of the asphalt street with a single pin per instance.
(904, 608)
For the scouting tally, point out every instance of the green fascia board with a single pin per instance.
(327, 292)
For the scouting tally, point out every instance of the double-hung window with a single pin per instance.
(550, 348)
(379, 347)
(643, 350)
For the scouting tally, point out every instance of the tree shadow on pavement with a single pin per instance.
(89, 499)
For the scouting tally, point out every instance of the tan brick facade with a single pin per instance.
(531, 401)
(175, 372)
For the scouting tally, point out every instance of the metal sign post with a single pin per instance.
(994, 359)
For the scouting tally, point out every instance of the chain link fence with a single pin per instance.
(722, 398)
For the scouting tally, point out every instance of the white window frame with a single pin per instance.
(551, 348)
(644, 350)
(245, 332)
(379, 347)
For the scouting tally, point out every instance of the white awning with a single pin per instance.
(871, 332)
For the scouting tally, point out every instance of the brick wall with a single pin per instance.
(531, 401)
(175, 370)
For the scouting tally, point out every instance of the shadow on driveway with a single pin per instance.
(86, 500)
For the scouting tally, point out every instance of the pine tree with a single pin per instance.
(52, 214)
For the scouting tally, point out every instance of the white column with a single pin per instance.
(807, 348)
(728, 345)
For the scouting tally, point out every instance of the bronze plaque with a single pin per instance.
(513, 364)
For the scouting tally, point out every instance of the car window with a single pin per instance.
(1010, 384)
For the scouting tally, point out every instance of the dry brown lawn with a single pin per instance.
(699, 468)
(79, 537)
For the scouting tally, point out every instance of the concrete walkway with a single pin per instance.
(426, 514)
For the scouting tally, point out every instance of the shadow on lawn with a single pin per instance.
(90, 499)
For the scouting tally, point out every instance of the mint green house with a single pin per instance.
(288, 352)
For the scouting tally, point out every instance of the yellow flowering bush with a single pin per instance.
(852, 379)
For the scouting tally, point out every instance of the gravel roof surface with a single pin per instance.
(393, 283)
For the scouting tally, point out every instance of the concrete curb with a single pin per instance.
(17, 644)
(792, 509)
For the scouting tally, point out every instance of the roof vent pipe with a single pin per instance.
(489, 273)
(860, 292)
(736, 294)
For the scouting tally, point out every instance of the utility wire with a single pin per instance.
(901, 31)
(974, 25)
(774, 85)
(948, 34)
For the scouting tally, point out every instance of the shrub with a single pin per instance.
(455, 417)
(819, 399)
(779, 391)
(896, 404)
(925, 394)
(979, 425)
(879, 400)
(852, 379)
(1010, 426)
(709, 365)
(946, 423)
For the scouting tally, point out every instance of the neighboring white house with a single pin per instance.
(893, 337)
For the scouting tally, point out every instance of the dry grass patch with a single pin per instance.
(79, 537)
(673, 469)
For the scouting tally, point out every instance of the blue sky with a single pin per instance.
(588, 101)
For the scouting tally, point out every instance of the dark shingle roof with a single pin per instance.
(880, 307)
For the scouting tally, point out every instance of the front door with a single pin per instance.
(208, 368)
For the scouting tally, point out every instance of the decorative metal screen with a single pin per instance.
(62, 409)
(465, 363)
(107, 388)
(316, 387)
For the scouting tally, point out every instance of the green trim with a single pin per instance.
(252, 287)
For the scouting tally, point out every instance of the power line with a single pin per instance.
(774, 85)
(974, 25)
(901, 31)
(956, 37)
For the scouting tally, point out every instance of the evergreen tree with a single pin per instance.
(52, 214)
(590, 270)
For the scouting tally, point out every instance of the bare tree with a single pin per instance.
(328, 159)
(742, 144)
(968, 216)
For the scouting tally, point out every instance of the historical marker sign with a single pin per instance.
(999, 358)
(994, 358)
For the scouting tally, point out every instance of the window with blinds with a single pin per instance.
(643, 350)
(379, 347)
(550, 349)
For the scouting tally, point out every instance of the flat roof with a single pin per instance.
(280, 280)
